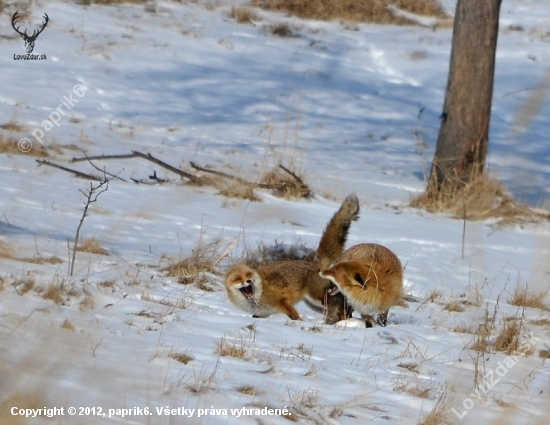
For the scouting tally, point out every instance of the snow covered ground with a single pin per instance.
(354, 108)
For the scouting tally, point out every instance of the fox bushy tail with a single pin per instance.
(336, 233)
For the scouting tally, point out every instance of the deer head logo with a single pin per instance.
(29, 39)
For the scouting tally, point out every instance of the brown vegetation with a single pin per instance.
(374, 11)
(524, 298)
(243, 15)
(481, 199)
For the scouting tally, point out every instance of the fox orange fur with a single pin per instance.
(371, 278)
(277, 287)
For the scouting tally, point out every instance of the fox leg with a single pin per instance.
(382, 318)
(289, 310)
(369, 320)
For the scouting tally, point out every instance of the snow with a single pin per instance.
(356, 108)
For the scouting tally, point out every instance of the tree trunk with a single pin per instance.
(464, 134)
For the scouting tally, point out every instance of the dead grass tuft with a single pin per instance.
(439, 412)
(462, 329)
(55, 293)
(481, 199)
(240, 191)
(289, 184)
(67, 325)
(13, 127)
(238, 350)
(524, 298)
(508, 340)
(541, 322)
(247, 389)
(181, 357)
(454, 306)
(91, 246)
(374, 11)
(243, 15)
(11, 146)
(282, 29)
(203, 259)
(23, 286)
(40, 260)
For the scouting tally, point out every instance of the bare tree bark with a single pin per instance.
(464, 133)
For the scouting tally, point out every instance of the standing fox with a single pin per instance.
(276, 288)
(369, 275)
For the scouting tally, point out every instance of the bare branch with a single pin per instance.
(68, 170)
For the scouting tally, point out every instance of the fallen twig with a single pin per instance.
(68, 170)
(163, 164)
(103, 157)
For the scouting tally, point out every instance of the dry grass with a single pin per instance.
(40, 260)
(522, 297)
(9, 145)
(438, 414)
(454, 306)
(91, 246)
(481, 199)
(282, 29)
(203, 259)
(375, 11)
(55, 293)
(109, 2)
(247, 390)
(181, 357)
(238, 350)
(541, 322)
(462, 329)
(67, 325)
(239, 191)
(508, 340)
(13, 127)
(267, 254)
(243, 15)
(287, 185)
(23, 286)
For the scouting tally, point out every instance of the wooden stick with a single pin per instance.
(114, 176)
(68, 170)
(163, 164)
(103, 157)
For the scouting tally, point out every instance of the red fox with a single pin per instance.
(276, 288)
(371, 278)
